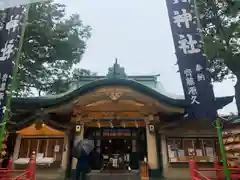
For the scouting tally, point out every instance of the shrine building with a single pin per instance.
(128, 117)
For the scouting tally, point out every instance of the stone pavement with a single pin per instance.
(56, 174)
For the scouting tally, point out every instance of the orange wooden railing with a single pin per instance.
(197, 173)
(27, 174)
(144, 170)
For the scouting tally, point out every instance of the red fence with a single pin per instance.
(27, 174)
(198, 173)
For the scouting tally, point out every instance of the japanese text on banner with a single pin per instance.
(10, 34)
(192, 64)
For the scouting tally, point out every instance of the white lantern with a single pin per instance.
(78, 128)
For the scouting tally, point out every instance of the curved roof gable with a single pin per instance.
(54, 100)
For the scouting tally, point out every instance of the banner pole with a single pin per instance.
(223, 152)
(14, 77)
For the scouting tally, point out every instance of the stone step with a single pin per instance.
(114, 176)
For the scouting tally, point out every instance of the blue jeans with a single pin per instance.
(81, 175)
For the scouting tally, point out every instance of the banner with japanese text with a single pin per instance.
(9, 36)
(13, 3)
(195, 78)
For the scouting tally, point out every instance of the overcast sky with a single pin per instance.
(138, 33)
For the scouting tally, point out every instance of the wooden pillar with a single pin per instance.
(65, 152)
(17, 148)
(151, 146)
(79, 135)
(71, 135)
(164, 154)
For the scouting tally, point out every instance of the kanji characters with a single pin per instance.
(194, 100)
(1, 96)
(190, 81)
(185, 18)
(200, 77)
(189, 78)
(13, 24)
(192, 90)
(199, 68)
(187, 44)
(189, 52)
(191, 86)
(188, 72)
(3, 82)
(7, 50)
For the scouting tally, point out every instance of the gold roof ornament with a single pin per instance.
(115, 95)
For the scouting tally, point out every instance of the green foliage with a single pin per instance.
(53, 44)
(64, 84)
(221, 34)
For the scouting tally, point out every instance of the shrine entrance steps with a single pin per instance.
(114, 176)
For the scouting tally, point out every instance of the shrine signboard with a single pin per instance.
(195, 78)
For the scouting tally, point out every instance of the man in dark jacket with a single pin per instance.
(83, 166)
(86, 162)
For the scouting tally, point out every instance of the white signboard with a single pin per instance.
(12, 3)
(56, 148)
(209, 151)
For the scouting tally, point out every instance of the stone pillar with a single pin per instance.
(17, 148)
(65, 153)
(78, 136)
(151, 146)
(164, 153)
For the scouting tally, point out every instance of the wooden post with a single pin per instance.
(144, 171)
(32, 166)
(10, 164)
(192, 169)
(10, 167)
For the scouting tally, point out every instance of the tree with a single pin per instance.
(221, 35)
(63, 85)
(53, 43)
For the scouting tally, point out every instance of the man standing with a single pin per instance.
(83, 166)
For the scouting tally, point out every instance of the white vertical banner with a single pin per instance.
(4, 4)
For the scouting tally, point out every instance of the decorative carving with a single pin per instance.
(113, 88)
(116, 71)
(115, 95)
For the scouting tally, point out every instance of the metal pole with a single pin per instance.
(223, 152)
(14, 76)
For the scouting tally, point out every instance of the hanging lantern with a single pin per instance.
(123, 124)
(151, 128)
(136, 124)
(78, 128)
(98, 124)
(111, 124)
(39, 125)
